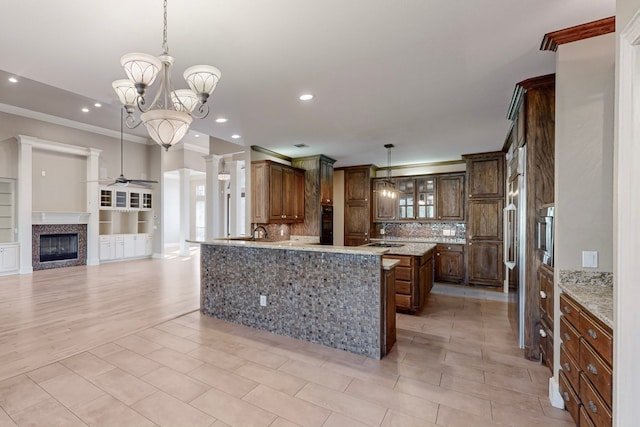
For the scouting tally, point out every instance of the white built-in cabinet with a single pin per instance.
(8, 232)
(126, 223)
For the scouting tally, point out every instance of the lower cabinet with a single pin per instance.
(8, 257)
(449, 263)
(123, 246)
(389, 309)
(586, 365)
(413, 279)
(545, 278)
(485, 265)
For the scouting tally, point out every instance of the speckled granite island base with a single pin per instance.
(325, 296)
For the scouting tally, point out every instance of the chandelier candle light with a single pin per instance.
(168, 116)
(389, 187)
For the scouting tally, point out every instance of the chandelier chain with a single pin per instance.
(165, 45)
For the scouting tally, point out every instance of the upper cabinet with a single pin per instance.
(126, 199)
(422, 198)
(326, 181)
(485, 174)
(7, 210)
(357, 207)
(278, 193)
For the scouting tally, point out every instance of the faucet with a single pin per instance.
(253, 233)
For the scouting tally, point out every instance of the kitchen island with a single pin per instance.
(330, 295)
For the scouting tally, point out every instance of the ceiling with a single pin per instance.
(433, 77)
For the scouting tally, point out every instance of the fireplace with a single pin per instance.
(59, 245)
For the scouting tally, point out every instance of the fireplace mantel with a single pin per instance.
(38, 217)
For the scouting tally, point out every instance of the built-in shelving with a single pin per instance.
(7, 210)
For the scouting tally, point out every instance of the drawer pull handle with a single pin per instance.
(593, 407)
(567, 336)
(592, 334)
(592, 369)
(566, 309)
(566, 396)
(543, 294)
(567, 367)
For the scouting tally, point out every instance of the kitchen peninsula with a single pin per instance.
(330, 295)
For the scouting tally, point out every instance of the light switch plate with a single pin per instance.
(590, 259)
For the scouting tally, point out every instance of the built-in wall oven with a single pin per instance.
(544, 234)
(326, 225)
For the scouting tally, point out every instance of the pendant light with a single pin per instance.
(224, 175)
(388, 186)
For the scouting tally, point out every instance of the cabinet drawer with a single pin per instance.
(570, 367)
(569, 309)
(596, 370)
(585, 421)
(599, 338)
(403, 287)
(403, 301)
(570, 337)
(403, 273)
(571, 400)
(405, 261)
(593, 403)
(450, 248)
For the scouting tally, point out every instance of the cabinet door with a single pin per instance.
(485, 263)
(134, 200)
(147, 201)
(107, 248)
(8, 257)
(426, 198)
(406, 198)
(356, 224)
(129, 245)
(326, 182)
(450, 190)
(289, 193)
(384, 208)
(298, 214)
(275, 192)
(148, 249)
(357, 187)
(426, 279)
(449, 266)
(106, 198)
(485, 219)
(545, 277)
(140, 244)
(118, 247)
(485, 176)
(121, 199)
(260, 193)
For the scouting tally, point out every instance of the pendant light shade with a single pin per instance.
(141, 68)
(202, 79)
(184, 100)
(126, 92)
(166, 127)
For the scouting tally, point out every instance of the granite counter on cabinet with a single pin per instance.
(328, 295)
(595, 295)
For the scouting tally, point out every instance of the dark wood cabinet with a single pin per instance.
(485, 203)
(485, 175)
(545, 277)
(450, 191)
(384, 208)
(389, 309)
(449, 263)
(277, 194)
(326, 180)
(317, 189)
(414, 280)
(484, 265)
(357, 206)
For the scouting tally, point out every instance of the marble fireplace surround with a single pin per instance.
(40, 229)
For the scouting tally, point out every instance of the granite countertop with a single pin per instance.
(597, 297)
(294, 245)
(413, 249)
(440, 240)
(388, 264)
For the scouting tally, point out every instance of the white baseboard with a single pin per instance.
(554, 394)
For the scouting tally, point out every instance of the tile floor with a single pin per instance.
(454, 365)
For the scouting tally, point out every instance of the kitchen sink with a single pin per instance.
(385, 245)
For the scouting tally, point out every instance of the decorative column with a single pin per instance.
(185, 210)
(25, 205)
(93, 207)
(213, 206)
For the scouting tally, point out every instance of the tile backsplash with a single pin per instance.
(422, 230)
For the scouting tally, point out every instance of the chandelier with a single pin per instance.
(224, 175)
(388, 186)
(168, 116)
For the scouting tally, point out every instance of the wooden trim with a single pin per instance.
(270, 153)
(479, 155)
(550, 41)
(314, 157)
(522, 88)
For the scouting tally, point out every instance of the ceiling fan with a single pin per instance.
(121, 180)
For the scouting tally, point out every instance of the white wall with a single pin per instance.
(584, 152)
(626, 378)
(59, 182)
(171, 210)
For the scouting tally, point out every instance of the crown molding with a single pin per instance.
(30, 114)
(550, 41)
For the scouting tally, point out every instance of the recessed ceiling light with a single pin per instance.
(221, 120)
(97, 104)
(85, 110)
(235, 136)
(306, 97)
(13, 80)
(197, 135)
